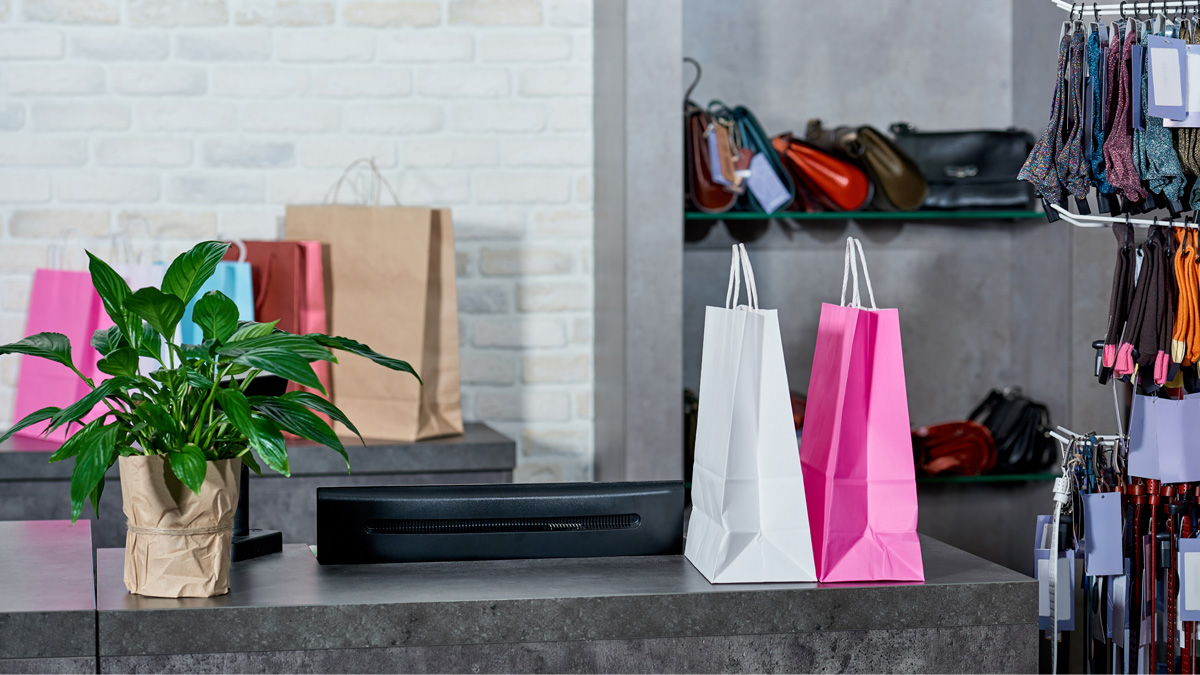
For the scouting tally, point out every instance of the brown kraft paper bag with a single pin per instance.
(178, 542)
(390, 284)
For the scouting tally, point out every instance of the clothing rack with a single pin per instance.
(1126, 9)
(1104, 221)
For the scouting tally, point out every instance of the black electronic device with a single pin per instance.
(424, 523)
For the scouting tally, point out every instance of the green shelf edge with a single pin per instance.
(868, 215)
(991, 478)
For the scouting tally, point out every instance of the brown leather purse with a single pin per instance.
(899, 185)
(954, 449)
(703, 193)
(821, 178)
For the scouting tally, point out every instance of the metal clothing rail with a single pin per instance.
(1124, 8)
(1105, 221)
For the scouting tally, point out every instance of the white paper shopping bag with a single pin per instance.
(749, 518)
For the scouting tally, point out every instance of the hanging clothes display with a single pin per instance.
(1120, 123)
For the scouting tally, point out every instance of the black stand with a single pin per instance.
(248, 543)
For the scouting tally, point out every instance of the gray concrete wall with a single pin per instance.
(638, 259)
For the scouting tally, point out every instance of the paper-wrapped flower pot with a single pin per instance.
(178, 542)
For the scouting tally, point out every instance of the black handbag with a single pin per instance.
(1019, 427)
(969, 169)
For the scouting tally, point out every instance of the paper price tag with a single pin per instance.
(1167, 77)
(1189, 579)
(767, 188)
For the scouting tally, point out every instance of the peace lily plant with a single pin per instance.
(192, 412)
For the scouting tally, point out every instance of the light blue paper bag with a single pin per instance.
(231, 278)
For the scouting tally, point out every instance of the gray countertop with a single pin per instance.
(47, 597)
(480, 448)
(288, 602)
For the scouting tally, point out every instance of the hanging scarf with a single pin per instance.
(1154, 149)
(1118, 147)
(1096, 66)
(1039, 167)
(1122, 291)
(1068, 148)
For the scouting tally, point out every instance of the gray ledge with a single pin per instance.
(480, 448)
(47, 597)
(287, 602)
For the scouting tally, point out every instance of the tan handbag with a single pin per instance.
(899, 185)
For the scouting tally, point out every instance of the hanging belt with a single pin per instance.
(1152, 487)
(1134, 611)
(1169, 569)
(1189, 627)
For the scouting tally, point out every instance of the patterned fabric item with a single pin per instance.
(1158, 163)
(1187, 141)
(1118, 147)
(1039, 167)
(1068, 151)
(1096, 66)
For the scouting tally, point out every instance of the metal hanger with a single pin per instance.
(687, 96)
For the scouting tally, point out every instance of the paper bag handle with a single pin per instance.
(331, 197)
(739, 265)
(855, 257)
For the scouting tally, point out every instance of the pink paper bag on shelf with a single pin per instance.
(61, 301)
(856, 449)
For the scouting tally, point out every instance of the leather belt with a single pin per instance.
(1152, 494)
(1189, 627)
(1137, 492)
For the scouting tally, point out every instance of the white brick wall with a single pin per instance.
(178, 120)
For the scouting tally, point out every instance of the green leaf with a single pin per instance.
(112, 290)
(294, 417)
(30, 420)
(190, 270)
(247, 458)
(52, 346)
(283, 363)
(72, 445)
(160, 310)
(196, 379)
(247, 330)
(268, 443)
(83, 406)
(95, 495)
(189, 466)
(123, 361)
(263, 435)
(311, 400)
(97, 452)
(108, 340)
(216, 315)
(301, 346)
(158, 418)
(150, 345)
(348, 345)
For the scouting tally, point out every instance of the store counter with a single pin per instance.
(47, 598)
(287, 613)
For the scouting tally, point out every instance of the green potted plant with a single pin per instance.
(182, 432)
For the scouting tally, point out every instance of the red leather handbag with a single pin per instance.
(833, 183)
(954, 449)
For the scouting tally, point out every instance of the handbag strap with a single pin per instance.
(854, 258)
(739, 265)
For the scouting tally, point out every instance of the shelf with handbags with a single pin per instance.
(736, 172)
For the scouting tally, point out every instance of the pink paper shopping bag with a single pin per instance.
(856, 449)
(61, 301)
